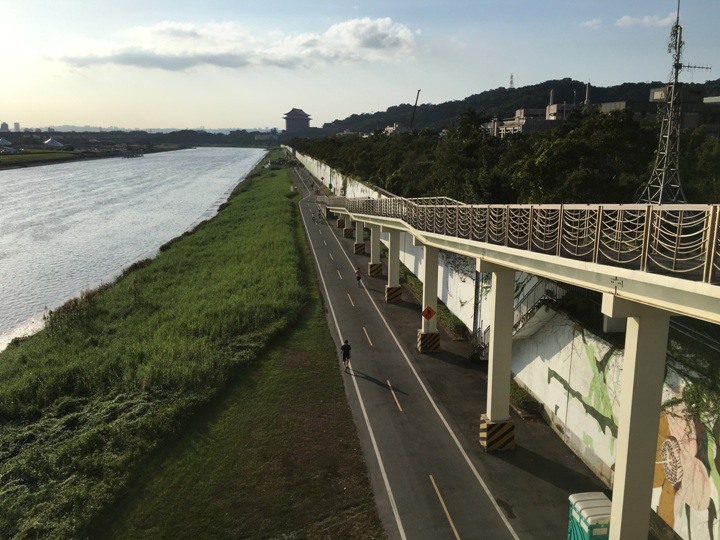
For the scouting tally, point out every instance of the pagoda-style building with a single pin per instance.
(296, 120)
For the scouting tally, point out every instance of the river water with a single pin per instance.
(69, 227)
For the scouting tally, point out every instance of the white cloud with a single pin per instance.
(647, 20)
(592, 23)
(176, 46)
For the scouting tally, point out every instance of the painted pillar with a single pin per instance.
(359, 237)
(349, 230)
(641, 384)
(428, 338)
(375, 266)
(497, 431)
(393, 290)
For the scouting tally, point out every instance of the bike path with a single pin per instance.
(418, 418)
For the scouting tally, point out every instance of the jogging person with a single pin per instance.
(346, 353)
(358, 275)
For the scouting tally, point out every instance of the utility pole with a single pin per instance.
(664, 186)
(412, 118)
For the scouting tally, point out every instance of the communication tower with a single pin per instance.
(512, 84)
(664, 186)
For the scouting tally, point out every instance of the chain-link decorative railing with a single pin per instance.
(676, 240)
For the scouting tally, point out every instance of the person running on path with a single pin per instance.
(358, 275)
(346, 353)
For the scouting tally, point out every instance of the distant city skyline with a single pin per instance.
(140, 65)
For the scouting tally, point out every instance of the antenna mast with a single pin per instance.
(664, 185)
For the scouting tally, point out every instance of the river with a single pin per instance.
(69, 227)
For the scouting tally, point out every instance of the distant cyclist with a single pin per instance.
(313, 217)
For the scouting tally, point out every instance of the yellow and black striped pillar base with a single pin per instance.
(496, 436)
(393, 294)
(375, 269)
(359, 247)
(340, 223)
(428, 341)
(348, 233)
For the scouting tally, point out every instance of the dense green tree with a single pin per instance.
(590, 158)
(700, 166)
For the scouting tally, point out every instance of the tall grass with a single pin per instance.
(117, 370)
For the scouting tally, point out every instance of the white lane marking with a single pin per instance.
(397, 402)
(391, 498)
(333, 258)
(339, 274)
(367, 336)
(447, 514)
(437, 410)
(350, 298)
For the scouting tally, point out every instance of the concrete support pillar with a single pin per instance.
(348, 229)
(393, 291)
(428, 338)
(502, 298)
(497, 431)
(641, 384)
(430, 277)
(375, 266)
(359, 238)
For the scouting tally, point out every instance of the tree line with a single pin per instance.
(590, 158)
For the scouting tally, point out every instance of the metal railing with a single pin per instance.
(540, 294)
(676, 240)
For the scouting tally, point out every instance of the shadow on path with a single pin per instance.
(550, 471)
(365, 376)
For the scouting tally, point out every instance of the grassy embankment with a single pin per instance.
(31, 156)
(155, 405)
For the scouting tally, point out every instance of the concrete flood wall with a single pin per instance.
(576, 376)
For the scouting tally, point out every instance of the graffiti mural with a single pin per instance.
(686, 483)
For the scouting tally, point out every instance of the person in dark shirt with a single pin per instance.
(346, 354)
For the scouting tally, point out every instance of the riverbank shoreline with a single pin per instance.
(33, 322)
(116, 375)
(70, 159)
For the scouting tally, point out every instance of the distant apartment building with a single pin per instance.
(17, 127)
(394, 128)
(4, 127)
(528, 120)
(524, 121)
(695, 111)
(296, 120)
(639, 109)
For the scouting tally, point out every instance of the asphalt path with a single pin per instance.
(430, 480)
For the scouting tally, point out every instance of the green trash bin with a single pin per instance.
(589, 516)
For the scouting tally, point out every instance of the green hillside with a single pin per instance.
(501, 103)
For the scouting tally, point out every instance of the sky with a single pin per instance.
(243, 64)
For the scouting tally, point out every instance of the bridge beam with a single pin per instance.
(393, 291)
(641, 386)
(375, 265)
